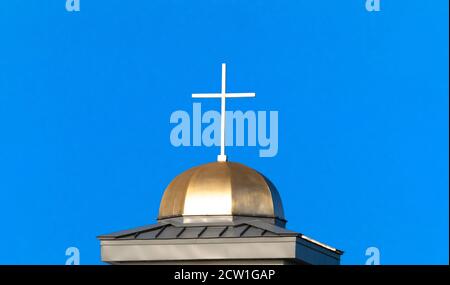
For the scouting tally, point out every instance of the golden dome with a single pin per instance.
(221, 189)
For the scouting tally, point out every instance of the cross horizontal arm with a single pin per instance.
(219, 95)
(236, 95)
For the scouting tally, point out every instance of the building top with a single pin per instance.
(217, 213)
(240, 229)
(221, 189)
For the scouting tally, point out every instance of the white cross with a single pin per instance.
(223, 95)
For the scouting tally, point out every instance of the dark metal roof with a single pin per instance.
(173, 230)
(243, 228)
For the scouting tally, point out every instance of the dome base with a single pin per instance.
(221, 219)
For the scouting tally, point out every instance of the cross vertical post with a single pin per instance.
(223, 95)
(222, 156)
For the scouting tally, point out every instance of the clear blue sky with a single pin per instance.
(85, 102)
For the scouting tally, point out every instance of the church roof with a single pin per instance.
(173, 230)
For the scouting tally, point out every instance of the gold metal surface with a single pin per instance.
(221, 188)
